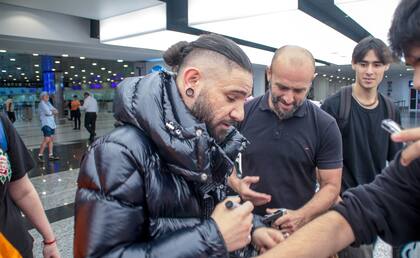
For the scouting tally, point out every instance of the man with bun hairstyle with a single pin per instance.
(155, 186)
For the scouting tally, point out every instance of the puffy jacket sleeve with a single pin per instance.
(111, 217)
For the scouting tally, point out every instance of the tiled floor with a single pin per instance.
(56, 181)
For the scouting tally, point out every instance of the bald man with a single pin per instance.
(291, 139)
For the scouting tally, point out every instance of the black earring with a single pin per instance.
(189, 92)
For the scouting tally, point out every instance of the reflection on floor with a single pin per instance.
(55, 181)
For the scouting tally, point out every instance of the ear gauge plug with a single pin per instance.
(189, 92)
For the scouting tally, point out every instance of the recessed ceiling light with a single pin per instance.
(120, 60)
(108, 79)
(103, 68)
(3, 50)
(38, 80)
(18, 68)
(76, 75)
(22, 74)
(109, 71)
(35, 54)
(3, 71)
(14, 79)
(94, 64)
(82, 57)
(98, 75)
(37, 76)
(91, 73)
(83, 71)
(10, 75)
(57, 62)
(71, 66)
(12, 59)
(133, 73)
(84, 77)
(65, 55)
(114, 74)
(25, 78)
(53, 69)
(36, 71)
(339, 70)
(70, 79)
(66, 72)
(36, 65)
(126, 65)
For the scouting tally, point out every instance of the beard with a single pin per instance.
(204, 112)
(282, 115)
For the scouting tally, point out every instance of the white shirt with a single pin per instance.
(46, 114)
(90, 105)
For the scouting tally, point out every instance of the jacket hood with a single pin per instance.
(154, 105)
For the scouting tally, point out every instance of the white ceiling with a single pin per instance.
(91, 9)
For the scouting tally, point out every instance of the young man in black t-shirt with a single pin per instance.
(366, 147)
(18, 194)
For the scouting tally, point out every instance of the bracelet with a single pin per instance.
(51, 242)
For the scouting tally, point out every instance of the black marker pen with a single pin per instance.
(231, 205)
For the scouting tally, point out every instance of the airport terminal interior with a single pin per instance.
(70, 47)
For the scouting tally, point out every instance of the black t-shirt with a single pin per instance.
(11, 223)
(366, 146)
(285, 153)
(389, 207)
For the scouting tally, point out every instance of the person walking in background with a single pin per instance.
(75, 112)
(90, 106)
(18, 194)
(46, 115)
(10, 109)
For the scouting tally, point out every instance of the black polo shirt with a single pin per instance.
(285, 153)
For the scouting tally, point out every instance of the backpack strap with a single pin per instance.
(345, 104)
(390, 107)
(3, 140)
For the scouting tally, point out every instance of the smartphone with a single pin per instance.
(390, 126)
(268, 219)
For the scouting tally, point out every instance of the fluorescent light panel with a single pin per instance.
(278, 28)
(135, 23)
(152, 33)
(204, 11)
(363, 12)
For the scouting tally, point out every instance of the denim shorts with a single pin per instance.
(48, 131)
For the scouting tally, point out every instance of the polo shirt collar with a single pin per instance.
(264, 106)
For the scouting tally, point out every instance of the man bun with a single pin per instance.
(175, 54)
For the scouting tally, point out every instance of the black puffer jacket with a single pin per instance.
(147, 189)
